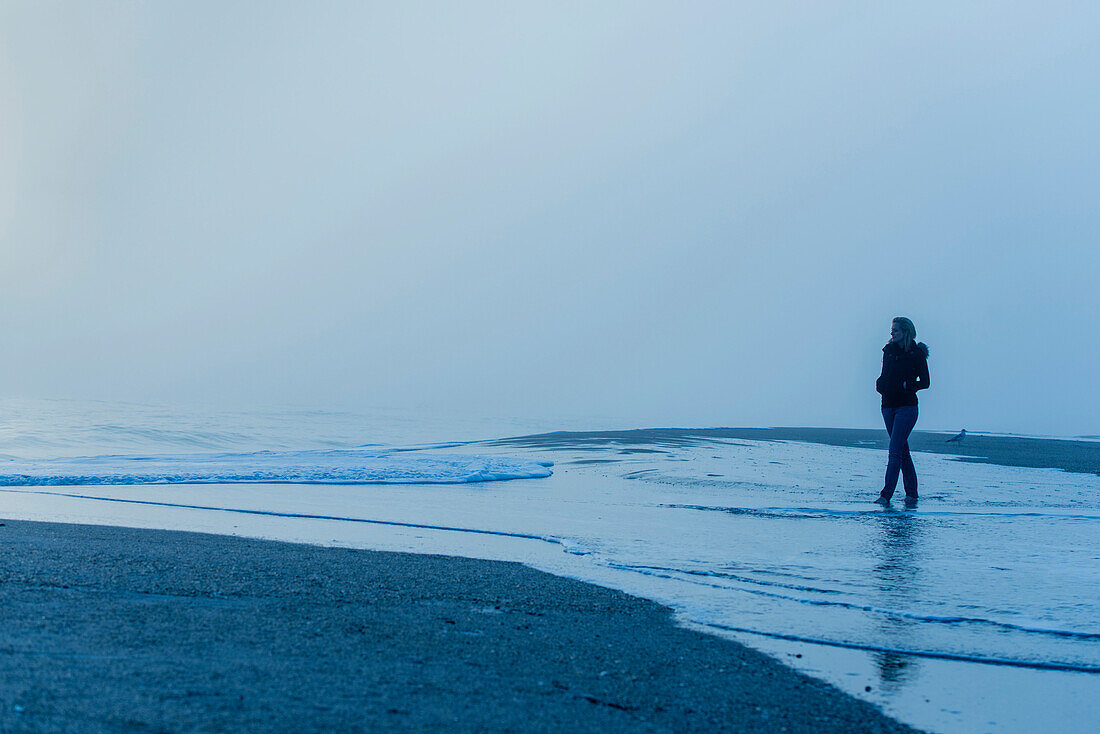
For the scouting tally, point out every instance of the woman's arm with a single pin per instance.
(921, 382)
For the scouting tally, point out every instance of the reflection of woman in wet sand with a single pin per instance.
(904, 371)
(897, 578)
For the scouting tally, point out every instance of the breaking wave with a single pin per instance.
(280, 467)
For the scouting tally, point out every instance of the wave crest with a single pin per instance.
(282, 467)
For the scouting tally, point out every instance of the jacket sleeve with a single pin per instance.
(880, 383)
(922, 381)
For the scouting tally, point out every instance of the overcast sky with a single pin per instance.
(673, 213)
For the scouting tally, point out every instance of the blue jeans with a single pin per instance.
(899, 424)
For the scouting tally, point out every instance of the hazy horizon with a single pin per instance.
(700, 215)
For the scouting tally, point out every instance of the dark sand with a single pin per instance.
(1072, 456)
(114, 629)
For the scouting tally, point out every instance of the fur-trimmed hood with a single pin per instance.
(920, 347)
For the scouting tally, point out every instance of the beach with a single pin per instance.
(116, 629)
(974, 611)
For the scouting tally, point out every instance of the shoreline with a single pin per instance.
(1076, 456)
(113, 628)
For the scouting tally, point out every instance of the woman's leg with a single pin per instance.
(901, 460)
(893, 466)
(908, 471)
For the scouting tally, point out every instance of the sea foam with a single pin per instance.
(295, 467)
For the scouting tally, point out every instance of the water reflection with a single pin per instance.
(897, 582)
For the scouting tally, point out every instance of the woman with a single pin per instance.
(904, 371)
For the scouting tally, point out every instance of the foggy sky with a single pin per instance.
(677, 214)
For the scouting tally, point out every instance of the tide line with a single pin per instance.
(675, 573)
(1038, 665)
(295, 515)
(822, 512)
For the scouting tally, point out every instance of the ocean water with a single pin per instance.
(976, 611)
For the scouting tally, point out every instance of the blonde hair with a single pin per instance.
(908, 331)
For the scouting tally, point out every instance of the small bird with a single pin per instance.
(961, 435)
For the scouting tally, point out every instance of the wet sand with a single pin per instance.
(1042, 453)
(113, 629)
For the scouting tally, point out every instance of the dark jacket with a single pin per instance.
(903, 373)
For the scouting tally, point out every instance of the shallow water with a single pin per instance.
(989, 584)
